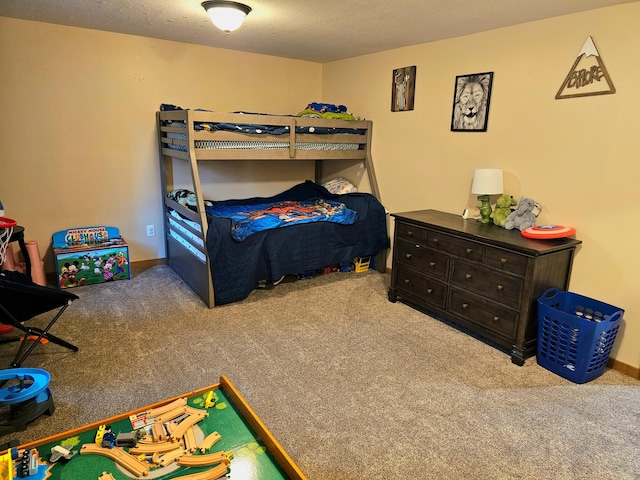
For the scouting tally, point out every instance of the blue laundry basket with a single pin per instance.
(575, 334)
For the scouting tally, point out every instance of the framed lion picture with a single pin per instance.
(471, 98)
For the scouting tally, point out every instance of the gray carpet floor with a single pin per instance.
(352, 385)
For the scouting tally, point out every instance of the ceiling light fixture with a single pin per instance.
(227, 16)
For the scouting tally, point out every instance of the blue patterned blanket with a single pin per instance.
(249, 219)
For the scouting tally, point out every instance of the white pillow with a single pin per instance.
(340, 186)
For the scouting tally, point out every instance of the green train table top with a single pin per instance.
(110, 449)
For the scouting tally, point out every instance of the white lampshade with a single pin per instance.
(487, 181)
(227, 16)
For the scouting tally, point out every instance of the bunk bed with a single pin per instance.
(199, 246)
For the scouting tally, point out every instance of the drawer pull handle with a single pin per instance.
(408, 255)
(409, 233)
(465, 306)
(500, 288)
(436, 241)
(467, 276)
(432, 264)
(469, 251)
(429, 290)
(503, 261)
(495, 319)
(406, 280)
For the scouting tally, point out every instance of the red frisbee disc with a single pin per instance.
(543, 232)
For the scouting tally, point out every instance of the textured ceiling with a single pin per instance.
(314, 30)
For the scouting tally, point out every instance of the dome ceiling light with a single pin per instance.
(227, 16)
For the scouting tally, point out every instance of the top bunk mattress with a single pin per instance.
(249, 144)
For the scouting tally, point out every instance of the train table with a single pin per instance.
(204, 435)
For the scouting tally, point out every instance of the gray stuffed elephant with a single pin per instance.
(523, 216)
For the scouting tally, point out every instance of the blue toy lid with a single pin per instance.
(33, 381)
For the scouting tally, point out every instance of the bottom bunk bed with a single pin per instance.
(248, 241)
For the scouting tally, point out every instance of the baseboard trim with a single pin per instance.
(145, 264)
(624, 368)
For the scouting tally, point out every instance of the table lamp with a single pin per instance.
(486, 181)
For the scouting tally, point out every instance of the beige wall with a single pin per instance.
(580, 158)
(78, 134)
(62, 167)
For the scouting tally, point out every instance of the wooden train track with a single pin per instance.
(211, 474)
(190, 441)
(155, 447)
(156, 412)
(174, 412)
(186, 424)
(118, 455)
(158, 433)
(168, 458)
(202, 460)
(209, 441)
(170, 415)
(174, 422)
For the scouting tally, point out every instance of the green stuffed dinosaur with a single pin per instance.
(502, 210)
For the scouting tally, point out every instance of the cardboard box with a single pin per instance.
(89, 255)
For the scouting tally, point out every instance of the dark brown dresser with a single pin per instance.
(479, 276)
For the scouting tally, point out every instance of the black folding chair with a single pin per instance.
(20, 301)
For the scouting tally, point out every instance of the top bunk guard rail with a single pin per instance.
(294, 145)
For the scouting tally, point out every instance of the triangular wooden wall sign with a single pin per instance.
(588, 76)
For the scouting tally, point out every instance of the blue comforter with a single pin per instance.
(238, 266)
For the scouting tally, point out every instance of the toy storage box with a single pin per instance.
(89, 255)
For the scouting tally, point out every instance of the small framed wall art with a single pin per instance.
(403, 89)
(471, 98)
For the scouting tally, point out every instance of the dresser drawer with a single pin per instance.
(504, 288)
(411, 234)
(423, 259)
(455, 246)
(421, 287)
(484, 313)
(507, 261)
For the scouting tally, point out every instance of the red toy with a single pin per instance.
(544, 232)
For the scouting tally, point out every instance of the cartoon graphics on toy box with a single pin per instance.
(89, 255)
